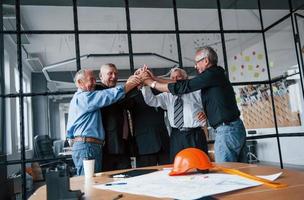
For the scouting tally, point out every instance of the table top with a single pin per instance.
(294, 179)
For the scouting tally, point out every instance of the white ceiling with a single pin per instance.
(52, 49)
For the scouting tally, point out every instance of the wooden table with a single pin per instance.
(295, 190)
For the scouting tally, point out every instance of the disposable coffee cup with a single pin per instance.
(133, 162)
(89, 166)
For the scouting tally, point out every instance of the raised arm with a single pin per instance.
(132, 82)
(154, 100)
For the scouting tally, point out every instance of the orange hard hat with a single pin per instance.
(190, 158)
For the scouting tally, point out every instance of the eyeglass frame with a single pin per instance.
(195, 65)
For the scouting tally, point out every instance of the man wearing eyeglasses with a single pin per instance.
(218, 100)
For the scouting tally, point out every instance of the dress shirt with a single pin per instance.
(218, 96)
(192, 104)
(84, 114)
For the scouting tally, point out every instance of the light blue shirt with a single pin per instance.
(84, 111)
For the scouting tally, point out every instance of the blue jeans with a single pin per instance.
(85, 150)
(230, 142)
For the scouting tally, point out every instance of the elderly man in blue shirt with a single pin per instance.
(84, 125)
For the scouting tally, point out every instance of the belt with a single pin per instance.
(226, 123)
(88, 139)
(187, 129)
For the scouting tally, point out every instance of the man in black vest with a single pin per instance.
(151, 135)
(116, 150)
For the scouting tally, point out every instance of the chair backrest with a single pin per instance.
(58, 146)
(43, 147)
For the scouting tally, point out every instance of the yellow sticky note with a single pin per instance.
(233, 68)
(247, 58)
(238, 99)
(260, 56)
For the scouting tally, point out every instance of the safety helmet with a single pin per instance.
(190, 158)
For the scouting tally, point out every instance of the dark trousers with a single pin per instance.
(159, 158)
(180, 140)
(115, 162)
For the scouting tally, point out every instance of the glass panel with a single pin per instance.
(267, 151)
(240, 15)
(246, 57)
(191, 42)
(255, 105)
(2, 121)
(281, 50)
(41, 17)
(10, 63)
(288, 100)
(299, 21)
(13, 120)
(2, 100)
(27, 117)
(49, 49)
(12, 127)
(48, 117)
(14, 176)
(292, 157)
(301, 12)
(198, 15)
(160, 53)
(284, 71)
(273, 10)
(103, 48)
(9, 15)
(101, 18)
(150, 16)
(297, 4)
(49, 53)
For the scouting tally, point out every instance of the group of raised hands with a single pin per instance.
(141, 77)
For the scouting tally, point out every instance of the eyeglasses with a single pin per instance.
(196, 62)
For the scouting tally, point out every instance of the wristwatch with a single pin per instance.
(153, 84)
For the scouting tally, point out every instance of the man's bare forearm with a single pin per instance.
(131, 83)
(129, 87)
(162, 87)
(162, 80)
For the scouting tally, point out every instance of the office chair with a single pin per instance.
(43, 149)
(251, 149)
(58, 146)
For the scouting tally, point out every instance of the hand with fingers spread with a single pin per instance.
(139, 71)
(146, 69)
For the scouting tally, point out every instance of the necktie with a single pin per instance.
(125, 131)
(178, 113)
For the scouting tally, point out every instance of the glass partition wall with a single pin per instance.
(43, 44)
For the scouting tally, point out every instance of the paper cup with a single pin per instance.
(88, 166)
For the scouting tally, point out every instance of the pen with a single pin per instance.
(118, 197)
(110, 184)
(119, 176)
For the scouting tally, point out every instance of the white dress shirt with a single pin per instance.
(192, 103)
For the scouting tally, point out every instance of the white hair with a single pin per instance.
(182, 71)
(208, 52)
(104, 67)
(80, 75)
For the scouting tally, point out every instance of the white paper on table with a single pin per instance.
(160, 184)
